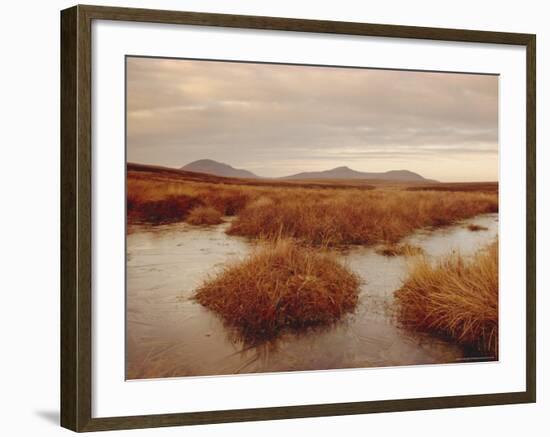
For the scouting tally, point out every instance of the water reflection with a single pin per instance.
(168, 334)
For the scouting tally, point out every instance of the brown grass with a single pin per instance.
(400, 250)
(314, 215)
(457, 298)
(476, 228)
(204, 215)
(281, 286)
(487, 187)
(172, 208)
(155, 200)
(358, 217)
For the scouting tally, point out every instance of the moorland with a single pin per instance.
(293, 280)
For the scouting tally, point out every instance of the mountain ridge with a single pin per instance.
(345, 172)
(209, 166)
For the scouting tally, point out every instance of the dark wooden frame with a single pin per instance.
(76, 163)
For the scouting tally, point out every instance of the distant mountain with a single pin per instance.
(215, 168)
(348, 173)
(212, 167)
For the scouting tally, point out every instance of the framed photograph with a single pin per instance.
(268, 218)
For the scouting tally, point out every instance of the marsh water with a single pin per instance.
(168, 334)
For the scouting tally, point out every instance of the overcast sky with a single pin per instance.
(276, 120)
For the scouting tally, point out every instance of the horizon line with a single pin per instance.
(427, 180)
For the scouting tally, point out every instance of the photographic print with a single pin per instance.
(301, 218)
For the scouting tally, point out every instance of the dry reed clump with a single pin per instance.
(163, 201)
(281, 286)
(167, 210)
(457, 298)
(352, 216)
(400, 250)
(204, 215)
(228, 201)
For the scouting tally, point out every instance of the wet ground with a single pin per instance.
(170, 335)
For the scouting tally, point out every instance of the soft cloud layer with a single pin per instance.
(280, 119)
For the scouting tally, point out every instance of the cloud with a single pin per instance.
(252, 114)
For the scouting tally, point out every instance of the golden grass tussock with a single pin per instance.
(228, 201)
(404, 249)
(457, 298)
(357, 217)
(282, 285)
(204, 215)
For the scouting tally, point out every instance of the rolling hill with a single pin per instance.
(215, 168)
(209, 166)
(348, 173)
